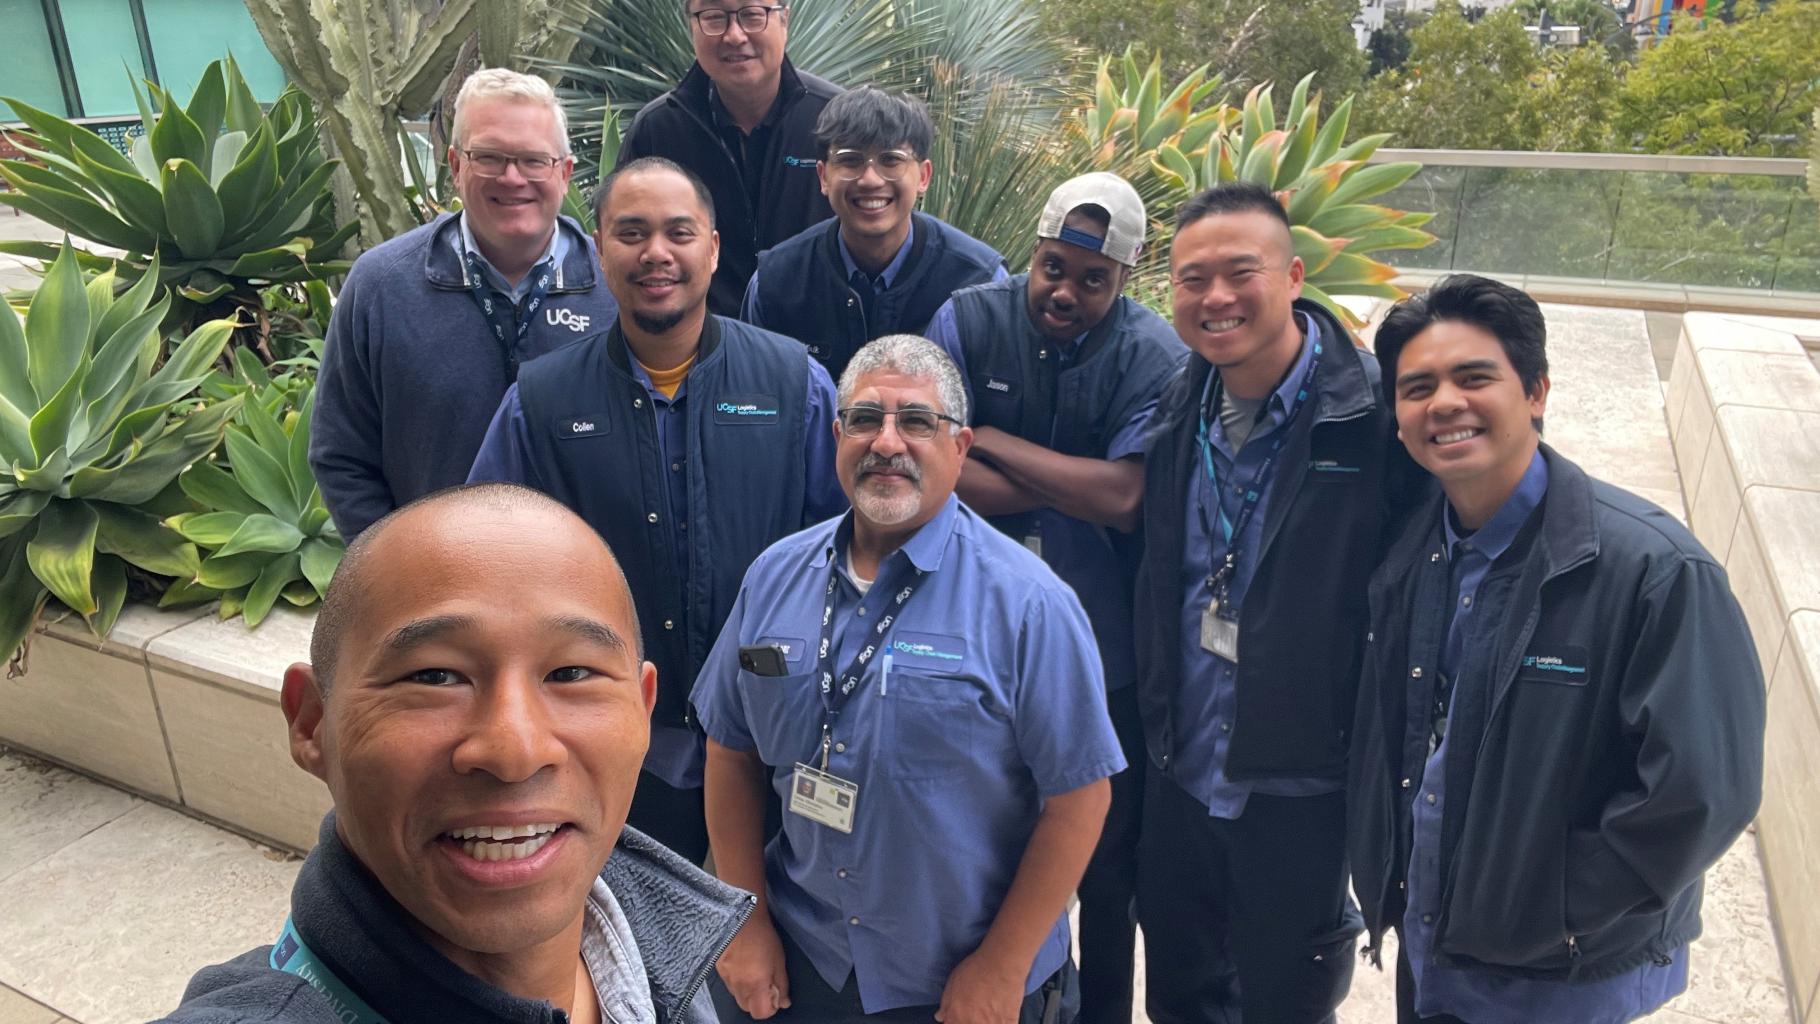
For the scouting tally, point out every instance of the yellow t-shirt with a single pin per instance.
(667, 381)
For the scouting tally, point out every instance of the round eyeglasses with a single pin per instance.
(752, 20)
(489, 164)
(864, 421)
(850, 164)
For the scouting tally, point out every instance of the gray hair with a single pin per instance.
(911, 356)
(506, 84)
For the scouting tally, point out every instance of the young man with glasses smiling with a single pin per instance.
(742, 120)
(432, 326)
(923, 698)
(880, 266)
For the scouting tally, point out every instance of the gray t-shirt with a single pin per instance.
(1238, 417)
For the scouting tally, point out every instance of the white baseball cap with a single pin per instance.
(1124, 238)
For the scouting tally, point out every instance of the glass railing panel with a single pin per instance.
(1434, 189)
(1702, 229)
(1556, 223)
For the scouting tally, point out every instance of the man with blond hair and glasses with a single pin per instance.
(743, 120)
(431, 326)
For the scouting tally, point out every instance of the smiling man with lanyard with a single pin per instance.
(1263, 509)
(920, 697)
(433, 325)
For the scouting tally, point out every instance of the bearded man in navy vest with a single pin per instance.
(1063, 371)
(879, 266)
(691, 442)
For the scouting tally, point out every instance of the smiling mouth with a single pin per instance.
(1456, 436)
(1216, 326)
(872, 204)
(502, 842)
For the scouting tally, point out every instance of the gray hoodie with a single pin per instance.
(656, 926)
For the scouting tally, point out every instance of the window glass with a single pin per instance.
(29, 70)
(105, 51)
(188, 34)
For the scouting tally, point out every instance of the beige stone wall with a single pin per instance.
(1744, 414)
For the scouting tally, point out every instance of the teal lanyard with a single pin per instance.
(292, 956)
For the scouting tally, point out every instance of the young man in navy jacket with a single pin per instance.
(691, 442)
(878, 266)
(1560, 724)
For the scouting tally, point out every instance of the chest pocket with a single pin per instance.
(929, 725)
(783, 714)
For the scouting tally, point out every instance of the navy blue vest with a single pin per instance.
(1022, 385)
(803, 288)
(594, 445)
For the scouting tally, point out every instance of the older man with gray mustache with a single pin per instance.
(922, 696)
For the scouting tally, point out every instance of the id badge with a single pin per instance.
(828, 799)
(1219, 635)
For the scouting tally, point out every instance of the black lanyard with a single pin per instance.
(510, 324)
(1219, 581)
(837, 691)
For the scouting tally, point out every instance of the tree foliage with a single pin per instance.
(1246, 42)
(1747, 88)
(1465, 85)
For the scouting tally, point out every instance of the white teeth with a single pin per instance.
(1220, 325)
(871, 204)
(1457, 435)
(485, 851)
(497, 832)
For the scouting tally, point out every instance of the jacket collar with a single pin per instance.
(444, 267)
(680, 917)
(695, 91)
(621, 355)
(1568, 536)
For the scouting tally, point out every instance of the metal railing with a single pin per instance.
(1616, 218)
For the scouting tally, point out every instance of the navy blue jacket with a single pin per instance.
(801, 288)
(595, 448)
(777, 195)
(1020, 386)
(1302, 627)
(1622, 750)
(411, 373)
(679, 916)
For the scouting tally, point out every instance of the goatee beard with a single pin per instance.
(658, 324)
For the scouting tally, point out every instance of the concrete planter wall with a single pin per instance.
(1744, 413)
(178, 706)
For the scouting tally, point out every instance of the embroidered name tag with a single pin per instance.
(587, 424)
(1003, 387)
(746, 409)
(1566, 665)
(936, 651)
(1333, 466)
(796, 650)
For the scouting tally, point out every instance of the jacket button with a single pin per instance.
(851, 302)
(1428, 919)
(1431, 798)
(669, 624)
(1371, 638)
(638, 403)
(1405, 783)
(852, 920)
(842, 873)
(1414, 673)
(1402, 885)
(1436, 557)
(840, 748)
(652, 518)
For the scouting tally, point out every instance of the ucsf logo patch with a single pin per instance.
(577, 322)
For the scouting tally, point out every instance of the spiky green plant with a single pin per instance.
(266, 533)
(90, 438)
(226, 197)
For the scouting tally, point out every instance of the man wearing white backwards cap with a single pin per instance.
(1063, 371)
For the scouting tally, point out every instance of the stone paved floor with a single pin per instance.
(108, 902)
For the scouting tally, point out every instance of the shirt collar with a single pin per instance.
(1283, 398)
(552, 253)
(1496, 536)
(888, 276)
(924, 549)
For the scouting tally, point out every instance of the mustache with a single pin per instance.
(679, 275)
(899, 463)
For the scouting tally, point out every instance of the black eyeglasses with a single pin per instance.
(916, 424)
(489, 164)
(752, 20)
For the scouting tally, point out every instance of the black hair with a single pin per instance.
(1231, 197)
(1506, 313)
(597, 203)
(869, 118)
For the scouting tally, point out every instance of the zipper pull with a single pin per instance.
(1573, 946)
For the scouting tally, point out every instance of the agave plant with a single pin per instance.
(266, 534)
(91, 439)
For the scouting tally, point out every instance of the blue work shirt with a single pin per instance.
(1206, 705)
(676, 752)
(1074, 548)
(988, 703)
(553, 253)
(1471, 610)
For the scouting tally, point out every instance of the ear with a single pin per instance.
(647, 686)
(964, 440)
(568, 170)
(301, 701)
(926, 175)
(454, 157)
(1296, 273)
(1538, 399)
(821, 175)
(713, 252)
